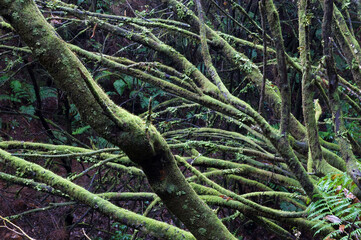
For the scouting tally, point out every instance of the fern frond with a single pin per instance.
(341, 208)
(332, 201)
(356, 233)
(325, 225)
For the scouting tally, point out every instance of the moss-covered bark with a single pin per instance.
(256, 155)
(308, 89)
(239, 59)
(339, 127)
(142, 143)
(274, 22)
(148, 225)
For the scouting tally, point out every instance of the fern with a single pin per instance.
(80, 130)
(21, 90)
(9, 97)
(27, 109)
(99, 143)
(3, 79)
(48, 92)
(336, 208)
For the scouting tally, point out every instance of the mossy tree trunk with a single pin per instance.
(339, 126)
(138, 139)
(254, 155)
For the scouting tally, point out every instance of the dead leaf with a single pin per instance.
(55, 20)
(348, 194)
(329, 238)
(333, 219)
(341, 228)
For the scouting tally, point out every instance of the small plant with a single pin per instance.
(121, 232)
(337, 207)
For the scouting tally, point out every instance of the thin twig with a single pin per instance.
(12, 224)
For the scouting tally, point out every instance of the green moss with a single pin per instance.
(180, 11)
(171, 188)
(180, 193)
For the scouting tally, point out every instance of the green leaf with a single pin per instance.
(121, 84)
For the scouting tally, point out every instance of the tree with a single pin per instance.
(236, 144)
